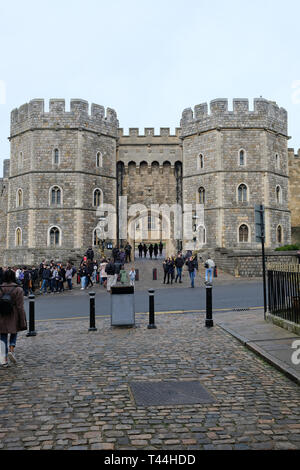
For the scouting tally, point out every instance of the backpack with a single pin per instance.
(6, 302)
(21, 276)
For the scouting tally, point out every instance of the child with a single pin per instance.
(123, 275)
(132, 275)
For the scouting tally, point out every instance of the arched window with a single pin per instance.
(98, 197)
(243, 233)
(278, 195)
(19, 198)
(56, 156)
(18, 237)
(201, 191)
(242, 157)
(54, 236)
(242, 193)
(99, 159)
(55, 196)
(279, 234)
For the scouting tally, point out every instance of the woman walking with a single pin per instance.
(14, 320)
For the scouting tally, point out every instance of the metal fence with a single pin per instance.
(284, 291)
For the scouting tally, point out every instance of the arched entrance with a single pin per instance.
(151, 227)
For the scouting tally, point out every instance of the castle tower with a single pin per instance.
(62, 165)
(233, 160)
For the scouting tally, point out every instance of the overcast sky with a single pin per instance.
(149, 60)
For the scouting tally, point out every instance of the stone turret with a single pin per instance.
(266, 114)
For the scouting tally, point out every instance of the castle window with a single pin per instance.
(201, 195)
(97, 198)
(202, 234)
(242, 193)
(243, 233)
(54, 236)
(55, 196)
(18, 237)
(200, 162)
(21, 160)
(279, 234)
(19, 199)
(277, 161)
(99, 159)
(242, 158)
(278, 195)
(56, 157)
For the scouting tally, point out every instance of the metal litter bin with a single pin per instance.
(122, 306)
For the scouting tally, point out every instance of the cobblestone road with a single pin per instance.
(71, 390)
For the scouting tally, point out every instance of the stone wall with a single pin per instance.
(249, 263)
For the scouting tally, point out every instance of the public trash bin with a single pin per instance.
(122, 306)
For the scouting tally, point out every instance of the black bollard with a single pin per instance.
(209, 320)
(31, 331)
(151, 310)
(92, 312)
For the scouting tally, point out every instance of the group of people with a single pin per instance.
(152, 249)
(175, 264)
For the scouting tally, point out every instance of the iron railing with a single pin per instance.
(284, 291)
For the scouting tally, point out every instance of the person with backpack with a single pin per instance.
(12, 316)
(209, 267)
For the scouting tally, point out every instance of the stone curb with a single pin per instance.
(252, 346)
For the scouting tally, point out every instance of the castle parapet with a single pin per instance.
(265, 114)
(149, 134)
(32, 116)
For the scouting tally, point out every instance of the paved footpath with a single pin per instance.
(72, 389)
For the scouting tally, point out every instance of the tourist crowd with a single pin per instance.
(55, 277)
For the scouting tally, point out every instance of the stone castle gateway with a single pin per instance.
(64, 164)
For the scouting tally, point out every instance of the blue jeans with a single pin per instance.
(83, 282)
(179, 273)
(208, 271)
(192, 277)
(4, 344)
(44, 285)
(69, 281)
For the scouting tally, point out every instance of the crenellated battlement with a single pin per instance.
(32, 115)
(265, 114)
(148, 135)
(294, 157)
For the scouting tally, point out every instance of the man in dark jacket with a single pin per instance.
(140, 248)
(46, 274)
(160, 248)
(155, 250)
(90, 254)
(150, 250)
(192, 265)
(179, 264)
(128, 249)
